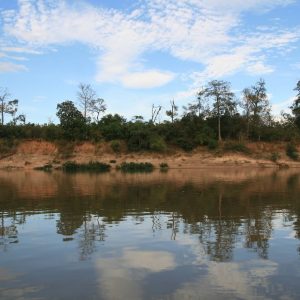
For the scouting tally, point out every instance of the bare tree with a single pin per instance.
(7, 106)
(155, 113)
(90, 104)
(173, 112)
(96, 108)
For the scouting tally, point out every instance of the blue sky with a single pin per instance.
(139, 53)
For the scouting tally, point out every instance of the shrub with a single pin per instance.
(115, 146)
(157, 144)
(212, 144)
(133, 167)
(275, 156)
(185, 144)
(7, 147)
(71, 166)
(292, 152)
(164, 167)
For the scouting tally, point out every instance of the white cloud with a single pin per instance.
(23, 50)
(207, 32)
(6, 67)
(148, 79)
(259, 68)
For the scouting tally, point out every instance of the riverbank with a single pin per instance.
(34, 154)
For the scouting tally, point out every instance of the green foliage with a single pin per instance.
(212, 144)
(185, 144)
(236, 147)
(71, 120)
(157, 144)
(164, 167)
(92, 166)
(112, 127)
(133, 167)
(291, 151)
(275, 156)
(115, 146)
(7, 147)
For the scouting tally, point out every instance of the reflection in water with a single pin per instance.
(213, 234)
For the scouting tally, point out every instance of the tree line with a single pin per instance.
(215, 114)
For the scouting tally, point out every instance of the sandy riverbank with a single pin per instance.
(32, 154)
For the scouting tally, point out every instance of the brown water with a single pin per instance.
(199, 234)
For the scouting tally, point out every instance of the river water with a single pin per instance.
(188, 234)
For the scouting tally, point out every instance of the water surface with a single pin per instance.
(189, 234)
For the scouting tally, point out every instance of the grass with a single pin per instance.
(92, 166)
(133, 167)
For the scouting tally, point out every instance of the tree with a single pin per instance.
(256, 106)
(296, 105)
(89, 102)
(7, 106)
(246, 105)
(173, 112)
(96, 108)
(223, 100)
(155, 113)
(199, 106)
(71, 119)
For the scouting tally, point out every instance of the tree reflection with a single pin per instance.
(223, 214)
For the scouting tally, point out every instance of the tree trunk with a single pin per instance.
(2, 112)
(219, 128)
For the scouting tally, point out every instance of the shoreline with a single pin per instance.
(35, 154)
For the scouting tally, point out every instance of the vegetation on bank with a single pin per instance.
(92, 166)
(214, 115)
(133, 167)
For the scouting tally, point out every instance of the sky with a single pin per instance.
(139, 53)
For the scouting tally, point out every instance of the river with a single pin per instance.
(185, 234)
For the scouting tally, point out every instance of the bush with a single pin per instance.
(7, 147)
(212, 144)
(115, 146)
(292, 152)
(185, 144)
(157, 144)
(133, 167)
(275, 156)
(71, 166)
(164, 167)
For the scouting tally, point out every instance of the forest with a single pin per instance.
(214, 115)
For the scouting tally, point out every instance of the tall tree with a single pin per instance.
(96, 108)
(257, 107)
(223, 100)
(7, 106)
(155, 113)
(91, 105)
(71, 119)
(296, 105)
(199, 107)
(173, 112)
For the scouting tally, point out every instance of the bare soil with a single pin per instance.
(32, 154)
